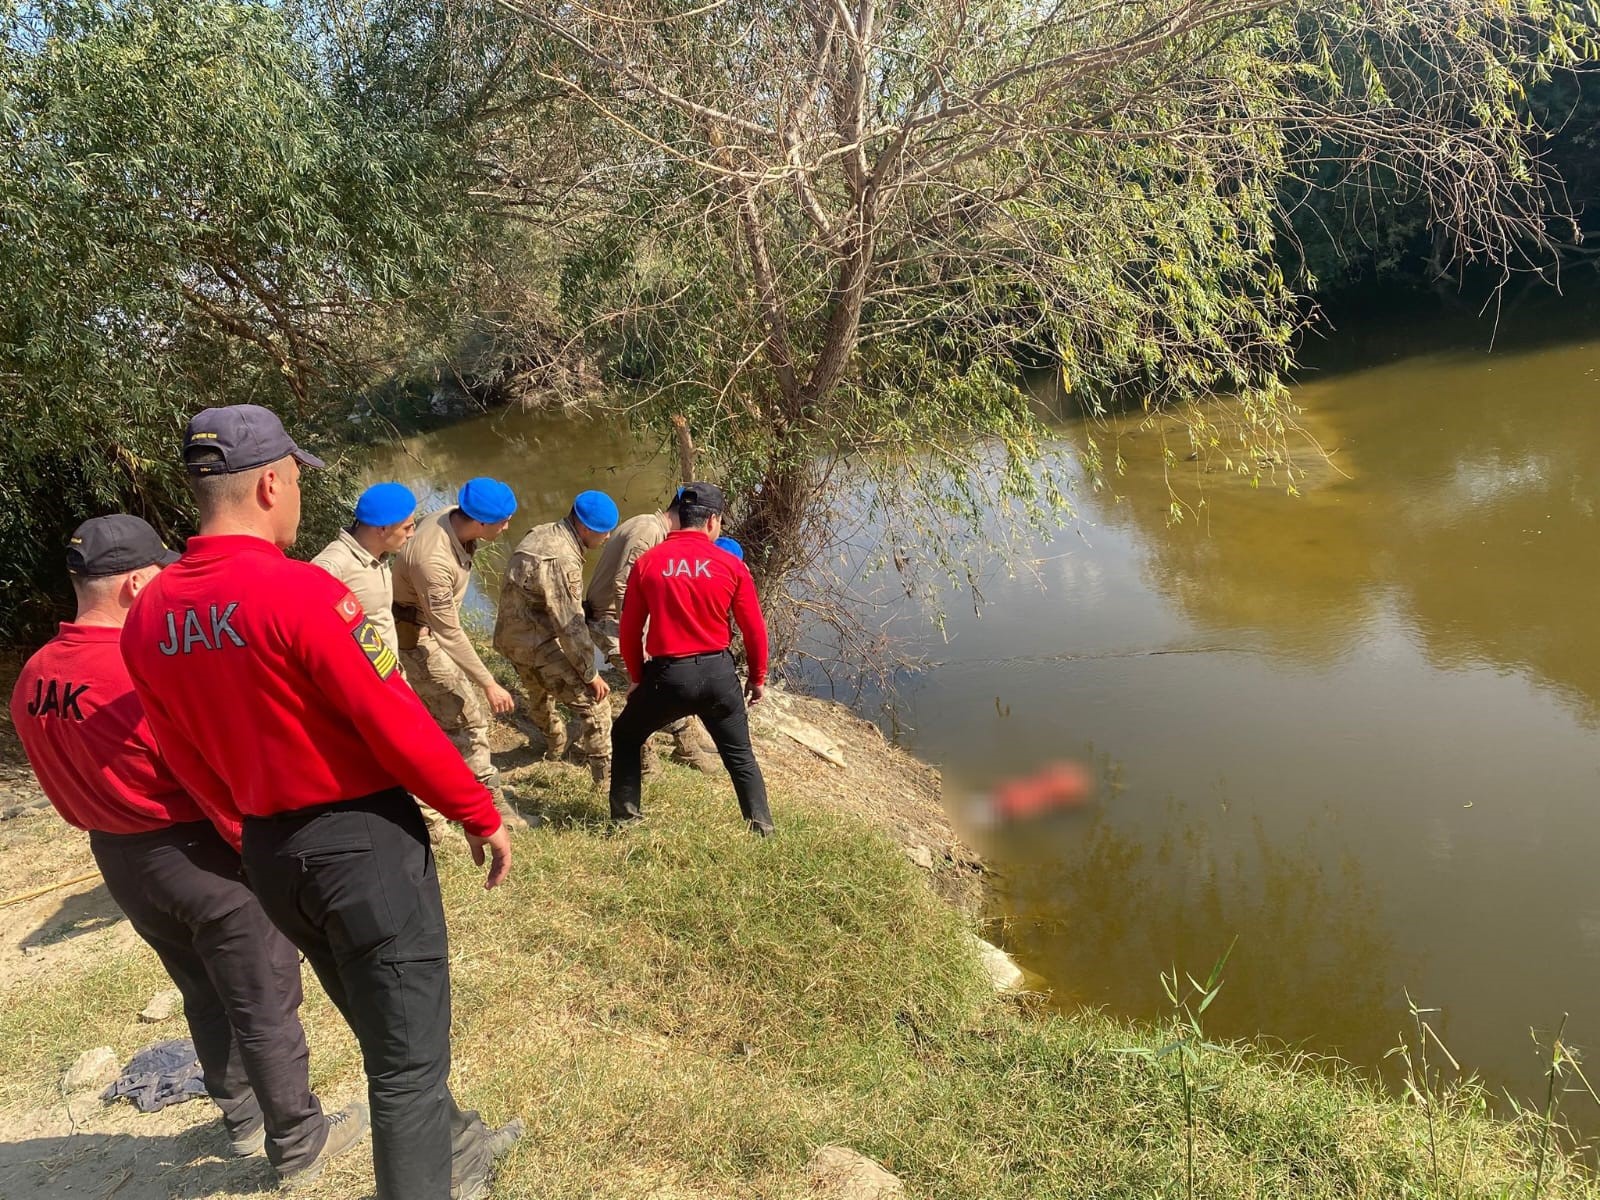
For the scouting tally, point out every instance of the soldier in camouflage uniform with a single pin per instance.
(431, 575)
(541, 630)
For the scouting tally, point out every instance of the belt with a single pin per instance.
(408, 614)
(368, 803)
(678, 658)
(177, 831)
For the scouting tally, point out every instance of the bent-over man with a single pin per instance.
(173, 872)
(541, 629)
(275, 698)
(431, 576)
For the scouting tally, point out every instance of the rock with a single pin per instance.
(809, 736)
(839, 1173)
(1003, 972)
(920, 855)
(94, 1069)
(163, 1005)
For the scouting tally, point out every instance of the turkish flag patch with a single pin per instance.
(349, 608)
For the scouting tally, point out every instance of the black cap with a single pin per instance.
(706, 495)
(115, 545)
(246, 435)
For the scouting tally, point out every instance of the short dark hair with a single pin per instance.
(213, 493)
(694, 516)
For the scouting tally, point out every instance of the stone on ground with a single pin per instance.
(94, 1069)
(839, 1173)
(163, 1006)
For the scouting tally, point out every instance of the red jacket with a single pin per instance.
(685, 588)
(270, 691)
(86, 735)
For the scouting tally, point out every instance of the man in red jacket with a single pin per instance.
(167, 868)
(275, 699)
(684, 590)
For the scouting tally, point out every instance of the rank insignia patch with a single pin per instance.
(382, 658)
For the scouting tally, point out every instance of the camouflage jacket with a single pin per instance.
(541, 600)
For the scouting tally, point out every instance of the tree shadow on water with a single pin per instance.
(86, 912)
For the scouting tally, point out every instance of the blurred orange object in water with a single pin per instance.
(1053, 788)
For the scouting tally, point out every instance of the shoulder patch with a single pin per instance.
(378, 652)
(348, 607)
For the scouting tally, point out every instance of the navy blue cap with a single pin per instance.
(245, 436)
(385, 504)
(115, 545)
(705, 495)
(487, 501)
(732, 547)
(596, 510)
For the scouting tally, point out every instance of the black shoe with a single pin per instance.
(760, 830)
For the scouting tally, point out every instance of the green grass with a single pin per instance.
(683, 1010)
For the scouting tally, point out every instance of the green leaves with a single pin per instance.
(190, 214)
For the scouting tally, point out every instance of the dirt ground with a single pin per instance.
(79, 1147)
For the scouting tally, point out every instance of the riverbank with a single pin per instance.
(686, 1012)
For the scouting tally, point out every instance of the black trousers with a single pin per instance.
(184, 892)
(354, 886)
(700, 685)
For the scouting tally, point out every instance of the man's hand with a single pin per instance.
(500, 700)
(499, 844)
(754, 691)
(598, 687)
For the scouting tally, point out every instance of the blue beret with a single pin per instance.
(596, 510)
(732, 547)
(385, 504)
(487, 501)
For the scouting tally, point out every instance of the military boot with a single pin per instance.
(689, 748)
(345, 1128)
(508, 813)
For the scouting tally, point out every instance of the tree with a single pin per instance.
(192, 212)
(824, 227)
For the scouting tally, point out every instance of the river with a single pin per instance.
(1354, 730)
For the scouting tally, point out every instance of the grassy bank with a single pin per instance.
(686, 1011)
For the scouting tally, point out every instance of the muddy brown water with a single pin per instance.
(1355, 730)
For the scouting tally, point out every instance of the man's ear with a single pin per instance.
(134, 583)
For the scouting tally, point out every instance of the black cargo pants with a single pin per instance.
(697, 685)
(354, 886)
(184, 892)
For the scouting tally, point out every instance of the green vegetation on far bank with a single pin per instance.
(685, 1011)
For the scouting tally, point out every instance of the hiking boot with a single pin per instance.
(696, 757)
(438, 825)
(498, 1144)
(600, 773)
(345, 1128)
(250, 1143)
(508, 812)
(501, 1140)
(760, 830)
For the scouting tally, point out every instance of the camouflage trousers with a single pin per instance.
(548, 678)
(454, 701)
